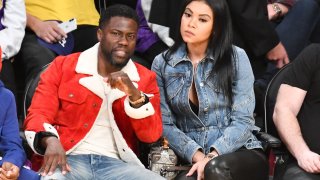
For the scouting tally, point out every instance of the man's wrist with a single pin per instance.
(143, 99)
(276, 8)
(40, 141)
(135, 95)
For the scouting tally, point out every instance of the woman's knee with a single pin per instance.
(217, 168)
(241, 165)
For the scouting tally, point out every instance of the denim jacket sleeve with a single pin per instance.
(182, 145)
(241, 124)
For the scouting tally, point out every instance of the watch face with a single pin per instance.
(276, 8)
(210, 156)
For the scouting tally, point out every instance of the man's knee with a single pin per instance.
(57, 175)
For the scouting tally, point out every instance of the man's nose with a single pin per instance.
(123, 40)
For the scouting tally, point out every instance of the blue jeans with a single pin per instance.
(297, 26)
(102, 167)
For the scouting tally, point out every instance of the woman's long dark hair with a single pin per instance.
(219, 46)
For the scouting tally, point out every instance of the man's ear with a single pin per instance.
(99, 34)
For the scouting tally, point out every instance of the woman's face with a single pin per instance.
(197, 23)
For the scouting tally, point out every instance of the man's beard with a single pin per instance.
(108, 57)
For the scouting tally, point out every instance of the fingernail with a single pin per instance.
(64, 172)
(50, 173)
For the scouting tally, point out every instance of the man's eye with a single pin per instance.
(115, 34)
(131, 37)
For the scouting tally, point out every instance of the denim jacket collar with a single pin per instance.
(182, 55)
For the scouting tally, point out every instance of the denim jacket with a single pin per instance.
(217, 125)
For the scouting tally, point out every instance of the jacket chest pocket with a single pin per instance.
(71, 95)
(174, 83)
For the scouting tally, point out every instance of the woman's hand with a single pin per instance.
(199, 167)
(200, 162)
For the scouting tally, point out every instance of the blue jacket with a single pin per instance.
(217, 125)
(10, 141)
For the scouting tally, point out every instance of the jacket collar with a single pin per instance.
(181, 55)
(88, 64)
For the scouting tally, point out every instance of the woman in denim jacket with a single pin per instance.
(207, 97)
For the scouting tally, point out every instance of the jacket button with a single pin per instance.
(85, 125)
(205, 109)
(201, 84)
(123, 150)
(71, 95)
(94, 105)
(72, 140)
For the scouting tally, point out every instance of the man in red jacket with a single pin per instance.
(91, 109)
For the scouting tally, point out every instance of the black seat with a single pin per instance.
(27, 97)
(270, 100)
(278, 149)
(30, 89)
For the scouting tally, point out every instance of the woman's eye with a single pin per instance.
(187, 14)
(203, 20)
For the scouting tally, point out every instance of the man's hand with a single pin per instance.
(46, 30)
(9, 171)
(49, 31)
(309, 161)
(279, 55)
(272, 15)
(121, 81)
(54, 156)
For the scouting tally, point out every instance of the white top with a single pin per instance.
(14, 20)
(100, 139)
